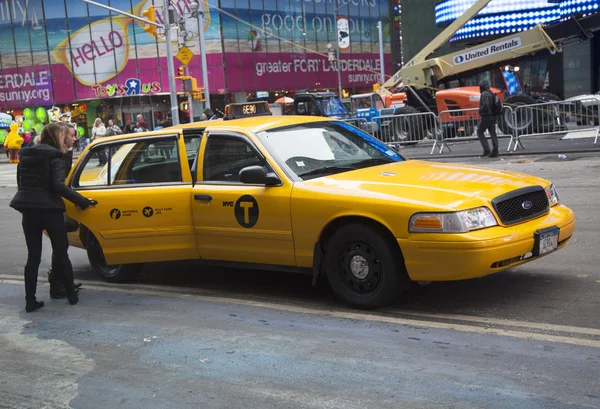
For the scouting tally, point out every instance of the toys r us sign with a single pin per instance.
(132, 86)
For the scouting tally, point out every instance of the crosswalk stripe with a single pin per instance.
(8, 175)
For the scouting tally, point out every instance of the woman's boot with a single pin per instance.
(68, 282)
(31, 304)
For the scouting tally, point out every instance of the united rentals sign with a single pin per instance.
(487, 51)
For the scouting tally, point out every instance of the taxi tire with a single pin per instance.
(119, 273)
(393, 278)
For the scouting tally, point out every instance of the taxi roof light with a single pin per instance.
(246, 110)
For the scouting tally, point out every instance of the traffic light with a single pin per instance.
(181, 71)
(198, 95)
(150, 14)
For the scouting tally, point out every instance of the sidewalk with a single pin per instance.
(534, 145)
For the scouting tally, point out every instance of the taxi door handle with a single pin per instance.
(202, 197)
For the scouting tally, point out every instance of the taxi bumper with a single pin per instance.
(445, 257)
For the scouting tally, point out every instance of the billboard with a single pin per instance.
(65, 51)
(502, 17)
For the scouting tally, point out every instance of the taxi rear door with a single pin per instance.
(143, 186)
(235, 221)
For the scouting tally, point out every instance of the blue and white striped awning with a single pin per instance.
(5, 120)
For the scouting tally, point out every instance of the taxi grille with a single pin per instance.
(521, 204)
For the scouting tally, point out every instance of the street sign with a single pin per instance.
(184, 55)
(343, 33)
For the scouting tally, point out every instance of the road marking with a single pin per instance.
(346, 315)
(425, 315)
(8, 175)
(504, 322)
(580, 134)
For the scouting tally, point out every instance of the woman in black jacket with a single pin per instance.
(41, 187)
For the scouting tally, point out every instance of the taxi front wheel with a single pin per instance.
(364, 267)
(117, 273)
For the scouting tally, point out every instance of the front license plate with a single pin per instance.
(546, 241)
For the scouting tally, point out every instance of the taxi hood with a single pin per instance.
(427, 184)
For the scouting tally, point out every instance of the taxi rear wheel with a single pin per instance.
(364, 268)
(117, 273)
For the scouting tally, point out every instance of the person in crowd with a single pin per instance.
(141, 126)
(98, 130)
(26, 139)
(129, 127)
(112, 129)
(184, 117)
(34, 134)
(41, 187)
(168, 121)
(488, 120)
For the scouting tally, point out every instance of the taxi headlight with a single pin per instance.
(455, 222)
(553, 199)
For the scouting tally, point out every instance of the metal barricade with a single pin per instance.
(459, 125)
(406, 129)
(359, 123)
(557, 117)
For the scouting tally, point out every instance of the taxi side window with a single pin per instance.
(225, 156)
(147, 161)
(192, 146)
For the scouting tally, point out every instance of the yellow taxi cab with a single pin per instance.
(307, 194)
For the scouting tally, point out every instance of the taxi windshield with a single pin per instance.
(318, 149)
(332, 106)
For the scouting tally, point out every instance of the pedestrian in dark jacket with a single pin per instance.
(488, 120)
(41, 187)
(57, 288)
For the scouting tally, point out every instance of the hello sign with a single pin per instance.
(97, 52)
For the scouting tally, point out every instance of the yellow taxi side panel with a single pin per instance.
(221, 233)
(140, 223)
(313, 210)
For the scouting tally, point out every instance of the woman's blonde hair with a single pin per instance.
(96, 121)
(53, 135)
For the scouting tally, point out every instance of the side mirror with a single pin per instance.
(257, 175)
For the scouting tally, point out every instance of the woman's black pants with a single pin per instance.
(34, 223)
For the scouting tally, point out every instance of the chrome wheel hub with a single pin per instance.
(359, 267)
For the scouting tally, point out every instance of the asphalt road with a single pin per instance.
(187, 336)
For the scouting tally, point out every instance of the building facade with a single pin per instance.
(66, 52)
(419, 27)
